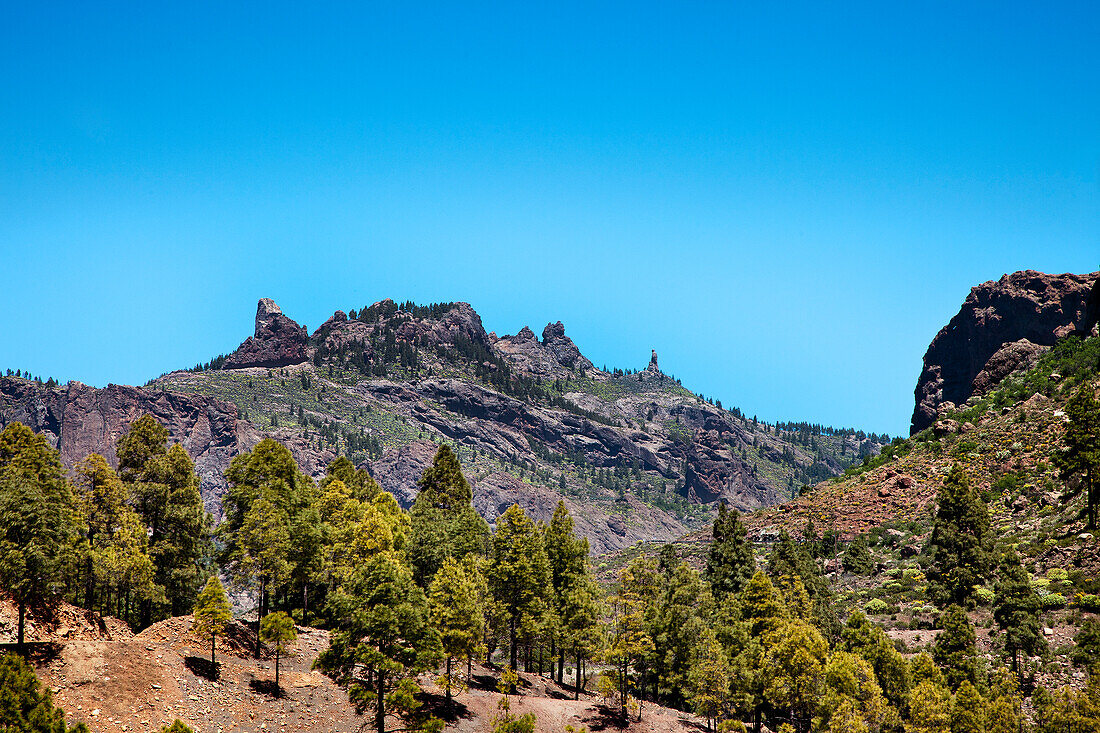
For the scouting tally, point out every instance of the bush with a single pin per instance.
(1053, 601)
(1089, 602)
(876, 606)
(984, 596)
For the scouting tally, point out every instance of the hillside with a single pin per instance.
(635, 455)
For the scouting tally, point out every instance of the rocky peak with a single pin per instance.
(278, 341)
(653, 362)
(562, 347)
(525, 334)
(1029, 305)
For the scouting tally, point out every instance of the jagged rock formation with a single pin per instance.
(1026, 305)
(532, 420)
(278, 341)
(78, 420)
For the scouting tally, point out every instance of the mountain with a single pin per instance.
(1002, 326)
(634, 454)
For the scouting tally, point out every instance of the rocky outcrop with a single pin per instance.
(714, 470)
(653, 363)
(78, 420)
(562, 347)
(1009, 358)
(277, 342)
(1024, 305)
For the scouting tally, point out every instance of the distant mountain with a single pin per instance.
(633, 453)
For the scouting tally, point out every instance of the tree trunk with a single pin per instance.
(561, 664)
(448, 680)
(22, 621)
(259, 614)
(213, 636)
(577, 677)
(513, 652)
(276, 669)
(380, 703)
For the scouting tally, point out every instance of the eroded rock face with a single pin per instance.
(278, 341)
(714, 470)
(563, 348)
(79, 420)
(1027, 305)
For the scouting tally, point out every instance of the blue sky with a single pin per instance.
(786, 202)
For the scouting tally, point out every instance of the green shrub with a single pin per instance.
(1089, 602)
(984, 596)
(876, 606)
(1053, 601)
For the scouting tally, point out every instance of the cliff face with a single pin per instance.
(78, 420)
(1001, 327)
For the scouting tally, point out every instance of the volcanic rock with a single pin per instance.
(278, 341)
(563, 348)
(1027, 305)
(1009, 358)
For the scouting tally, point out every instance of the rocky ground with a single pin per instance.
(116, 681)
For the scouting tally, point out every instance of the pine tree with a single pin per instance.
(278, 629)
(929, 709)
(850, 679)
(444, 522)
(857, 558)
(709, 679)
(870, 642)
(954, 651)
(39, 523)
(628, 642)
(730, 562)
(968, 712)
(519, 576)
(382, 637)
(212, 613)
(1086, 645)
(794, 671)
(24, 706)
(1016, 609)
(1081, 454)
(456, 613)
(568, 558)
(960, 541)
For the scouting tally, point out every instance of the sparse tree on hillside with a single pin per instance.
(456, 613)
(382, 637)
(857, 558)
(1016, 609)
(730, 561)
(444, 522)
(954, 651)
(960, 543)
(278, 630)
(24, 706)
(518, 575)
(212, 613)
(1081, 454)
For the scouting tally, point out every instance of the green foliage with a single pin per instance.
(1016, 610)
(954, 651)
(1069, 711)
(519, 576)
(39, 523)
(443, 521)
(505, 721)
(1086, 649)
(212, 613)
(24, 706)
(857, 558)
(929, 709)
(177, 726)
(960, 543)
(1081, 455)
(968, 712)
(794, 666)
(382, 636)
(709, 677)
(278, 630)
(730, 560)
(457, 611)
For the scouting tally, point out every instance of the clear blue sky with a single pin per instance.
(786, 202)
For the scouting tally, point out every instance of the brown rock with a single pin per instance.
(278, 341)
(1024, 305)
